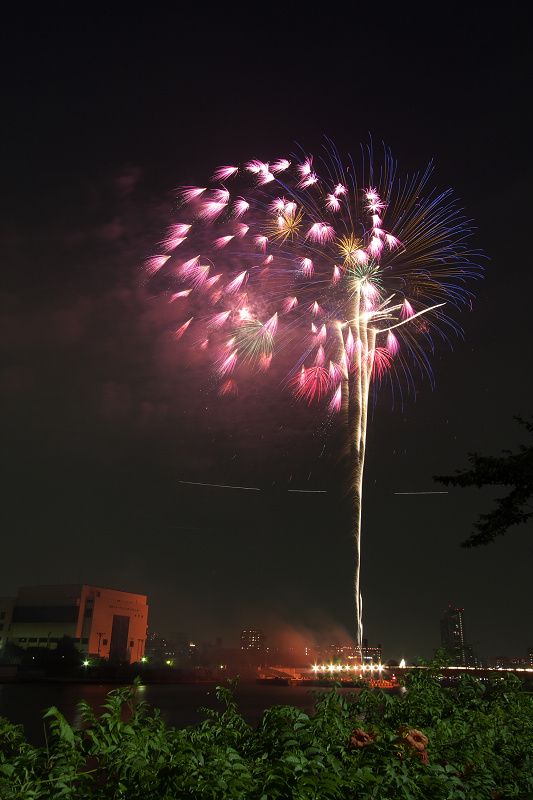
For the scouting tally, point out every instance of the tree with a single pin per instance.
(510, 469)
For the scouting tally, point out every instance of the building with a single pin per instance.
(252, 640)
(452, 636)
(370, 655)
(351, 654)
(177, 650)
(511, 662)
(453, 640)
(104, 623)
(6, 612)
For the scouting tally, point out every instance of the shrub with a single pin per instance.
(470, 742)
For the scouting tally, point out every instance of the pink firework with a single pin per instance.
(357, 275)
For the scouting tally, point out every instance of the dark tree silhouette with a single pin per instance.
(510, 469)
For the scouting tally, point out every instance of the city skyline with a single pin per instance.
(29, 614)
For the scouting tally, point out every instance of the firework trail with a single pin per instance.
(356, 270)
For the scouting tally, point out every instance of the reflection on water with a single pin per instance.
(24, 703)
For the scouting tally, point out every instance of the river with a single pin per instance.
(179, 704)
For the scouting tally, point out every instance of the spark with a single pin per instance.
(305, 168)
(223, 173)
(240, 207)
(281, 165)
(184, 293)
(261, 242)
(265, 177)
(320, 232)
(405, 493)
(222, 486)
(306, 267)
(211, 209)
(191, 193)
(332, 203)
(221, 242)
(155, 263)
(218, 320)
(256, 167)
(309, 491)
(176, 234)
(236, 283)
(179, 333)
(249, 489)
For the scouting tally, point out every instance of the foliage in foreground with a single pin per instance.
(470, 742)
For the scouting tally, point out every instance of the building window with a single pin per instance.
(1, 626)
(131, 642)
(33, 638)
(2, 614)
(22, 638)
(43, 639)
(104, 641)
(88, 612)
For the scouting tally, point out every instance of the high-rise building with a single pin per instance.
(102, 622)
(370, 655)
(452, 636)
(252, 640)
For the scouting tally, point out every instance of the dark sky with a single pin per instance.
(105, 113)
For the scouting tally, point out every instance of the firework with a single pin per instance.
(355, 269)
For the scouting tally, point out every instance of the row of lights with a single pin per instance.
(492, 669)
(348, 668)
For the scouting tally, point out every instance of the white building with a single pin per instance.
(102, 622)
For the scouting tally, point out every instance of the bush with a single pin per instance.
(469, 742)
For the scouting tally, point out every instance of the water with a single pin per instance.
(24, 703)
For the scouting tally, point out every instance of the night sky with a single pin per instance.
(108, 424)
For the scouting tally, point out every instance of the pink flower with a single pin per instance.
(416, 739)
(359, 738)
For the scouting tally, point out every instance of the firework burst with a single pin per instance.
(355, 269)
